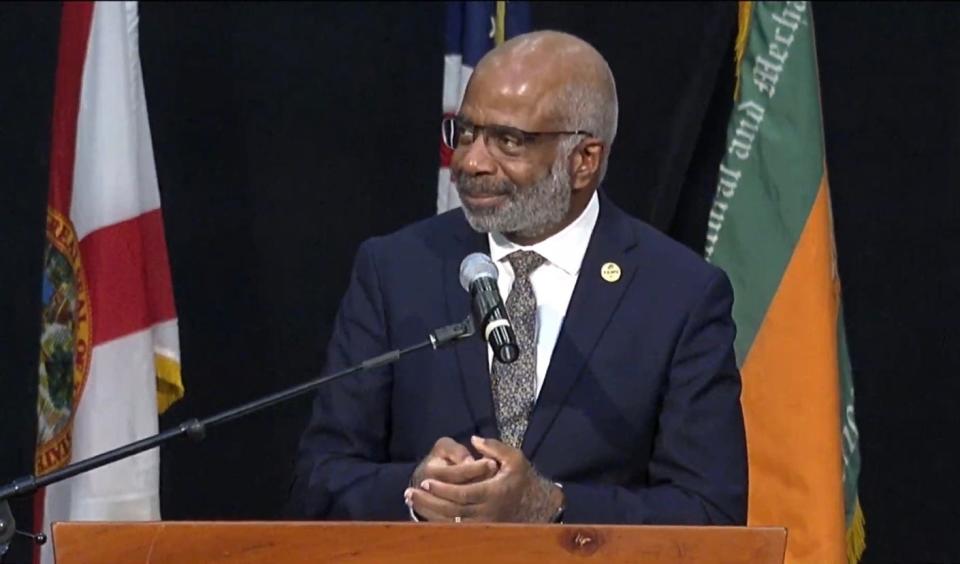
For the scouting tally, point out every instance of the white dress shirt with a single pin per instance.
(553, 282)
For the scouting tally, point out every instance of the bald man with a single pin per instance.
(624, 404)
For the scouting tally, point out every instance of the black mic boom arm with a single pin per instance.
(196, 429)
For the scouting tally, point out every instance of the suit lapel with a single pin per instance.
(471, 353)
(593, 302)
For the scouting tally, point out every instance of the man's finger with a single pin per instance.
(493, 448)
(434, 508)
(451, 450)
(425, 513)
(470, 471)
(463, 495)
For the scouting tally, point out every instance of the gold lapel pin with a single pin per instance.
(610, 272)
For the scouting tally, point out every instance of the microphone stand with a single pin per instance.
(196, 429)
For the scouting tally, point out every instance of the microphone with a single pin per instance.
(478, 275)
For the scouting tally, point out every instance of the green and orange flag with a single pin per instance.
(771, 230)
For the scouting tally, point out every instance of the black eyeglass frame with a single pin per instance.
(448, 123)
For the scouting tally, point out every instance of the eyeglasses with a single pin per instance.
(505, 140)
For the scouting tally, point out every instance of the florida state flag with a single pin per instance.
(109, 355)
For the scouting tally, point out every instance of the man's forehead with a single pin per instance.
(510, 96)
(521, 72)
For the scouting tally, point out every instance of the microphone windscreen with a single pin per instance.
(476, 265)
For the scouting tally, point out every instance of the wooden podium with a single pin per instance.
(184, 542)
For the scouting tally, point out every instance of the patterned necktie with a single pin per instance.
(515, 385)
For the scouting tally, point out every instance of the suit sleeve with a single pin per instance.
(698, 468)
(342, 469)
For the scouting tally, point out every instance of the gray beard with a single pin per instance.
(528, 212)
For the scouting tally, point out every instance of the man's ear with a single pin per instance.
(586, 163)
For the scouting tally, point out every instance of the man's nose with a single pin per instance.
(474, 159)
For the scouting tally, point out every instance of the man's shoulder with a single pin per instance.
(672, 254)
(433, 236)
(449, 223)
(662, 258)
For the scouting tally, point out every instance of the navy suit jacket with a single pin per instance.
(639, 415)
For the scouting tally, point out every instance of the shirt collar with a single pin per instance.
(565, 249)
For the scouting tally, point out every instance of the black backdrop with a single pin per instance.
(287, 134)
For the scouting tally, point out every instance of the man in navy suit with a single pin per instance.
(624, 405)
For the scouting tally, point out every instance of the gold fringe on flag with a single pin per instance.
(745, 10)
(169, 382)
(499, 29)
(856, 535)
